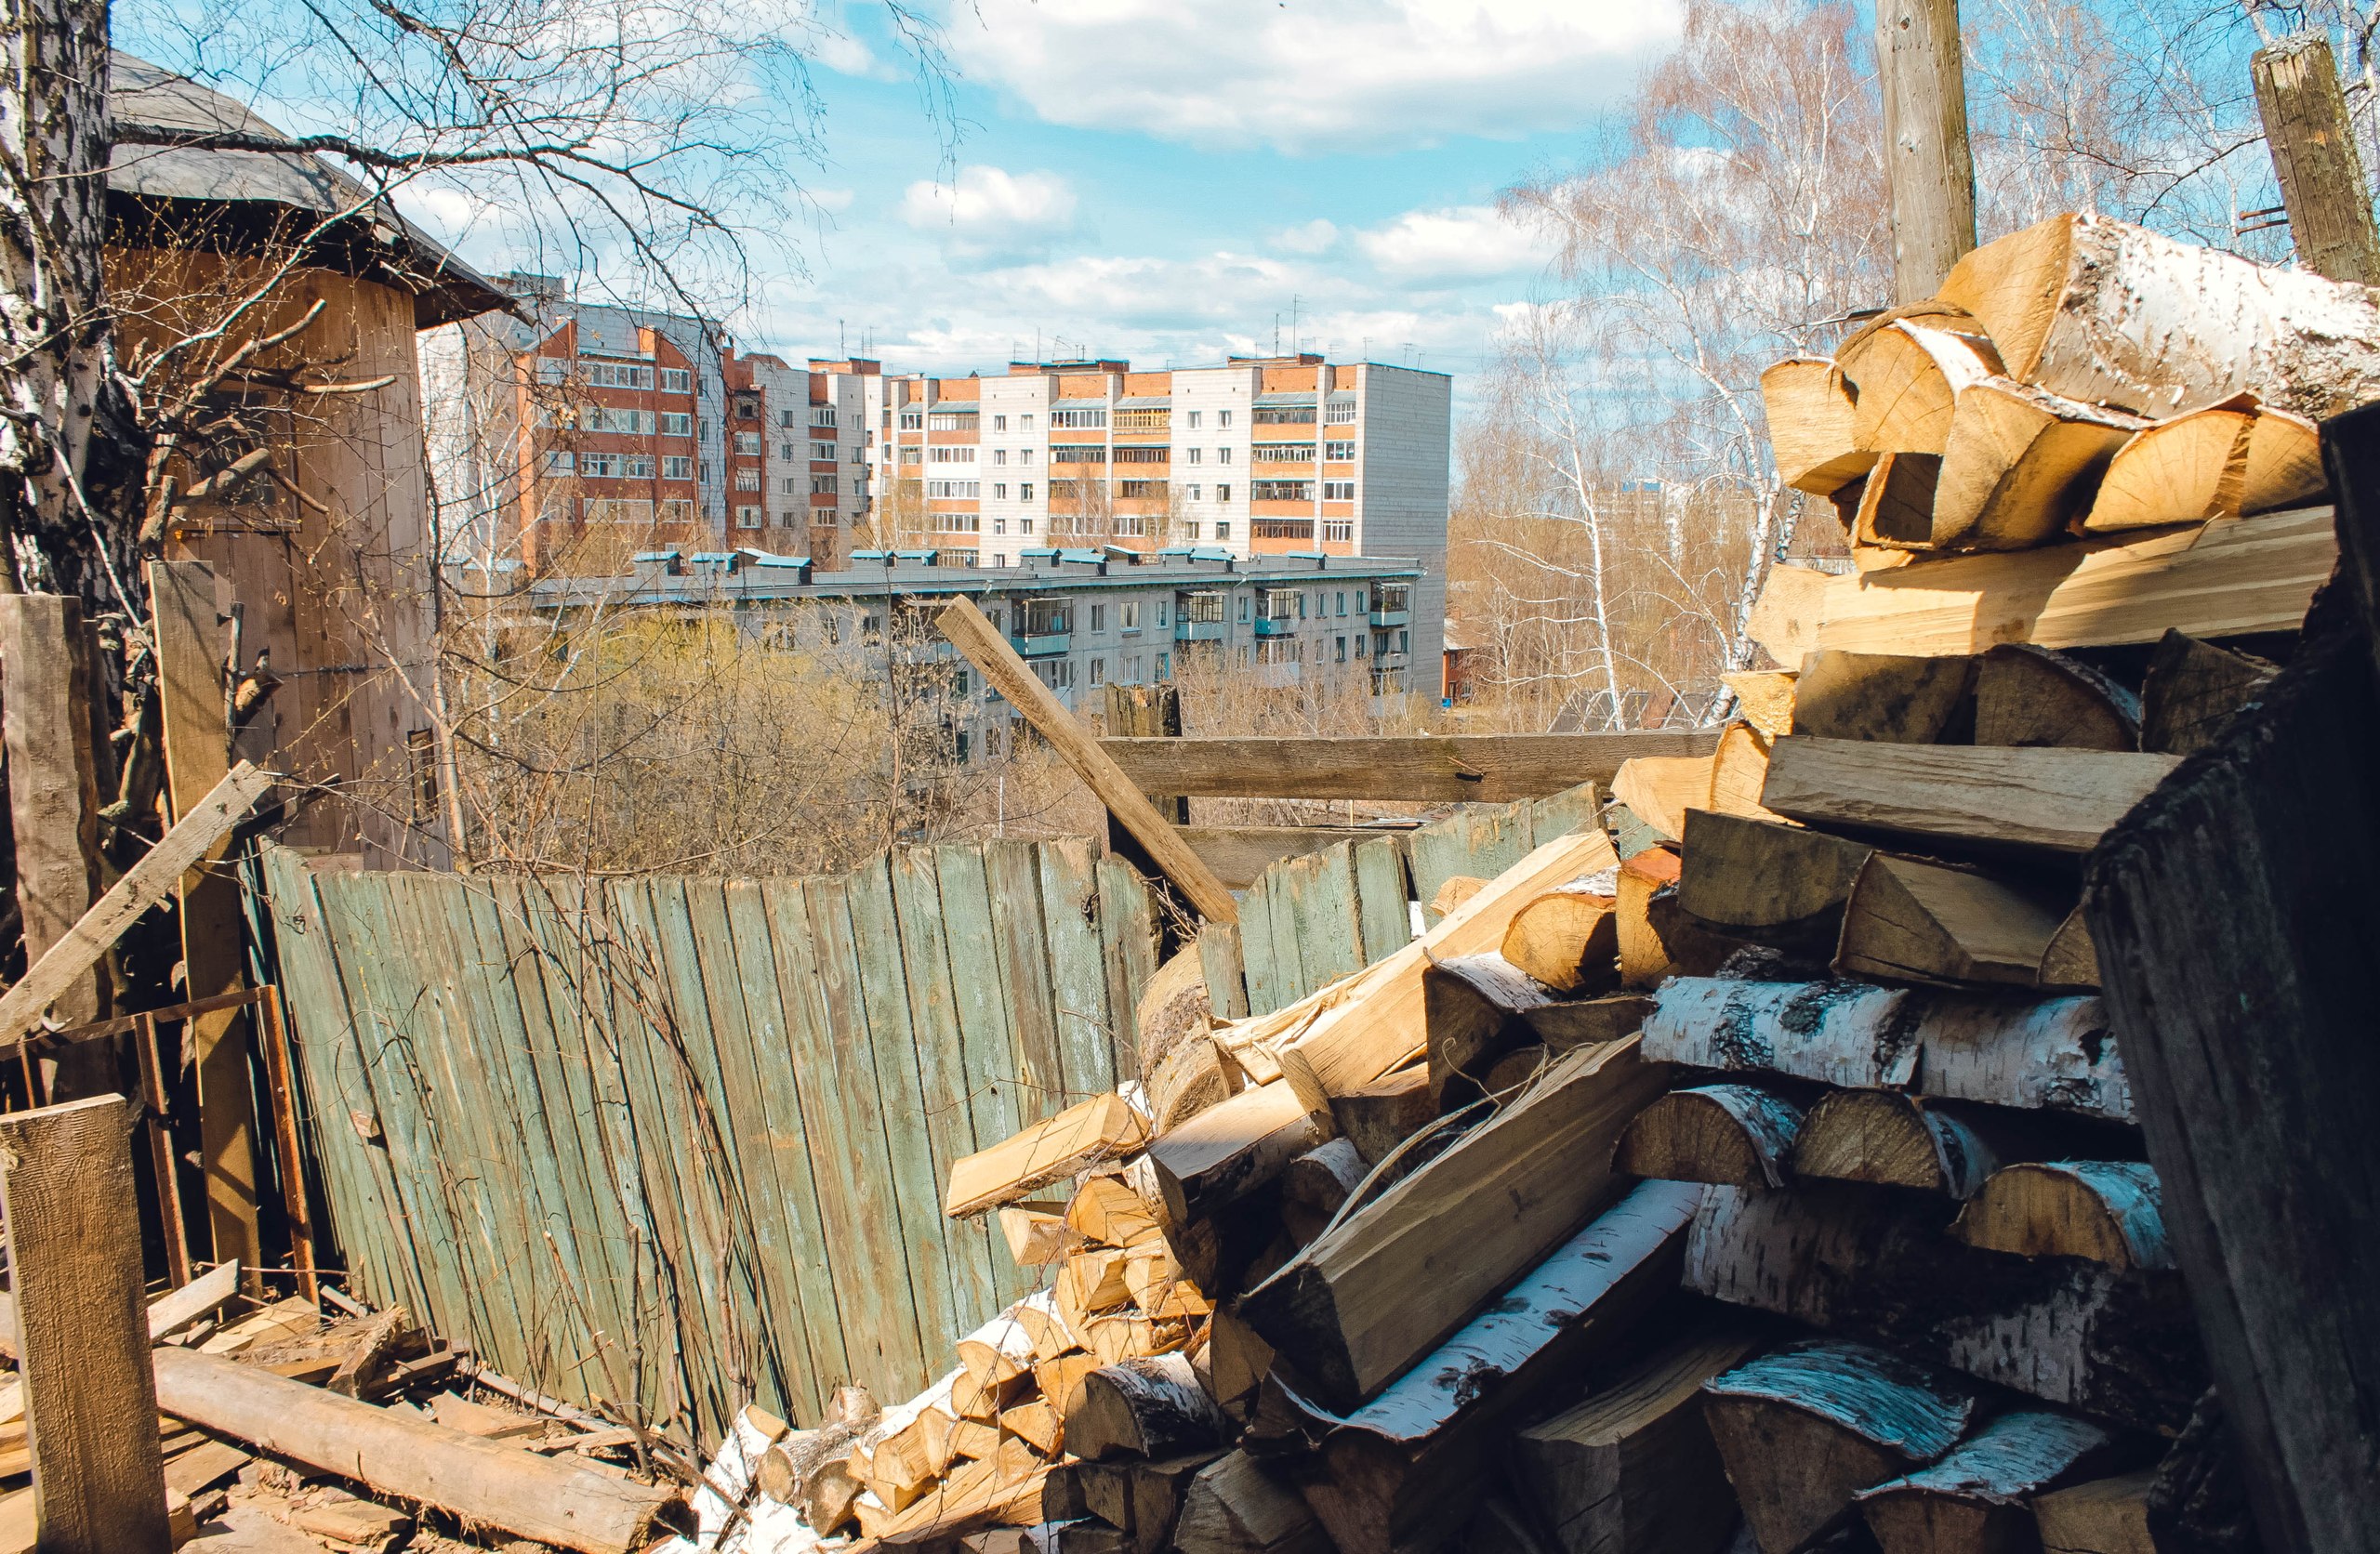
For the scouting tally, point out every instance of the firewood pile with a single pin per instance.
(1757, 1172)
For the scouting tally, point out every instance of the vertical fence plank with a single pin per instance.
(997, 1104)
(1219, 963)
(1383, 899)
(1128, 932)
(1266, 989)
(1013, 873)
(1561, 814)
(1077, 977)
(1322, 899)
(1289, 980)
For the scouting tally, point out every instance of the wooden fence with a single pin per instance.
(682, 1140)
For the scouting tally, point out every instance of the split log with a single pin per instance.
(1568, 1025)
(1037, 1235)
(1089, 1282)
(1237, 1359)
(2285, 463)
(1737, 769)
(1192, 1076)
(2055, 1053)
(1107, 1210)
(1380, 1115)
(2057, 801)
(1976, 1499)
(1047, 1329)
(1453, 891)
(1909, 376)
(1038, 1423)
(2224, 579)
(1882, 697)
(1812, 422)
(1785, 618)
(1234, 1506)
(1120, 1335)
(1568, 938)
(1057, 1379)
(2193, 688)
(1227, 1152)
(1402, 1474)
(1803, 1429)
(1514, 1072)
(413, 1459)
(1658, 790)
(1633, 1467)
(1643, 958)
(1001, 1350)
(1734, 1135)
(2109, 1211)
(1391, 1281)
(2020, 464)
(1769, 880)
(1765, 699)
(1082, 1136)
(2183, 470)
(1888, 1139)
(2106, 1516)
(1471, 1007)
(1908, 920)
(1150, 1407)
(2108, 313)
(1316, 1184)
(2025, 694)
(2072, 961)
(1172, 1007)
(1896, 508)
(1083, 1537)
(2120, 1346)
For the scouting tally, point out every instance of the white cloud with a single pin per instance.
(844, 54)
(1372, 76)
(1312, 237)
(830, 199)
(1463, 241)
(990, 214)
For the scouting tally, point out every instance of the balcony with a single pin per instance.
(1268, 627)
(1391, 617)
(1046, 644)
(1198, 631)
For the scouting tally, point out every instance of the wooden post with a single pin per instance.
(1929, 168)
(83, 1329)
(2313, 149)
(1149, 712)
(974, 635)
(198, 753)
(54, 803)
(163, 1163)
(294, 1205)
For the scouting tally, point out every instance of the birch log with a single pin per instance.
(1977, 1499)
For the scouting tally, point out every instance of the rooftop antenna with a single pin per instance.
(1297, 337)
(842, 346)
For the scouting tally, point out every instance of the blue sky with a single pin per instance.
(1154, 180)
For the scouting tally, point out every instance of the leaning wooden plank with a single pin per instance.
(2106, 1516)
(1103, 1128)
(1803, 1429)
(142, 886)
(415, 1459)
(1356, 1308)
(1350, 1034)
(1733, 1135)
(2058, 801)
(1976, 1499)
(75, 1263)
(2120, 1346)
(2110, 313)
(202, 1297)
(974, 635)
(1633, 1466)
(1402, 1474)
(1909, 920)
(2108, 1210)
(1484, 769)
(2054, 1053)
(1235, 1507)
(2227, 578)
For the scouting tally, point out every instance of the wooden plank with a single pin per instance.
(1384, 898)
(297, 1209)
(1240, 855)
(54, 806)
(985, 648)
(1322, 903)
(1013, 874)
(1574, 809)
(197, 746)
(1267, 990)
(2235, 936)
(996, 1102)
(1078, 975)
(2048, 800)
(74, 1260)
(784, 1142)
(2228, 578)
(1479, 842)
(1489, 768)
(1086, 1134)
(1219, 963)
(1128, 934)
(1929, 169)
(1289, 980)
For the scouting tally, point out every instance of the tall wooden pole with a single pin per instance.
(198, 754)
(1929, 167)
(2314, 155)
(83, 1329)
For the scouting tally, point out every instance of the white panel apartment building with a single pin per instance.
(1273, 456)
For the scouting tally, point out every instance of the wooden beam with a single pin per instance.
(198, 754)
(294, 1207)
(75, 1258)
(1149, 712)
(54, 803)
(2313, 149)
(1929, 167)
(142, 886)
(1239, 854)
(985, 648)
(1404, 767)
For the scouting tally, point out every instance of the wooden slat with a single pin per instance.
(1491, 769)
(1383, 899)
(997, 1103)
(1240, 855)
(1013, 873)
(1574, 809)
(1128, 933)
(53, 802)
(1322, 899)
(1077, 977)
(1219, 962)
(1288, 977)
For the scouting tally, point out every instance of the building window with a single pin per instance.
(1342, 605)
(748, 443)
(1025, 494)
(552, 371)
(1025, 423)
(747, 479)
(1343, 650)
(1024, 526)
(947, 490)
(1284, 415)
(1222, 530)
(999, 422)
(1340, 529)
(820, 414)
(913, 456)
(677, 467)
(1223, 456)
(1404, 641)
(1165, 666)
(999, 490)
(675, 423)
(747, 518)
(1223, 494)
(1281, 491)
(1128, 615)
(1078, 419)
(1361, 638)
(913, 420)
(1197, 455)
(1338, 452)
(1099, 617)
(999, 456)
(561, 461)
(614, 374)
(1243, 609)
(1223, 418)
(597, 417)
(859, 456)
(1025, 455)
(787, 419)
(785, 518)
(1195, 417)
(1153, 491)
(601, 465)
(823, 485)
(785, 451)
(1341, 413)
(637, 467)
(1000, 525)
(619, 511)
(818, 451)
(677, 380)
(960, 453)
(1281, 452)
(1338, 491)
(951, 420)
(1099, 671)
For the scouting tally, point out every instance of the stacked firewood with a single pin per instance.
(1758, 1172)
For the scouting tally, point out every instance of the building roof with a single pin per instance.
(387, 248)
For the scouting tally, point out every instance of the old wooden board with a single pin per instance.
(997, 1104)
(1491, 769)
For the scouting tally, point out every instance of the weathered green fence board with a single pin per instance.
(1220, 964)
(1384, 898)
(991, 1055)
(1128, 938)
(1078, 968)
(1322, 903)
(1559, 814)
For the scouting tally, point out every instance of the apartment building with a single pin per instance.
(1082, 617)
